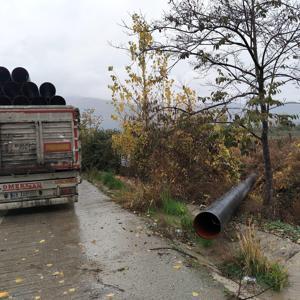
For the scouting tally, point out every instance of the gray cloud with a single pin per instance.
(66, 42)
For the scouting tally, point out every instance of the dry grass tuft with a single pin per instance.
(252, 255)
(140, 197)
(255, 263)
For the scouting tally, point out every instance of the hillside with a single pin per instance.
(105, 109)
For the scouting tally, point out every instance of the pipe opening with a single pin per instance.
(47, 90)
(20, 75)
(4, 75)
(11, 89)
(30, 90)
(57, 100)
(207, 225)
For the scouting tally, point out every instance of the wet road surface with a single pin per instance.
(94, 250)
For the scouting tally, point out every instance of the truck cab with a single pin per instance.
(39, 155)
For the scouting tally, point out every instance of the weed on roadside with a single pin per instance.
(203, 242)
(106, 178)
(284, 229)
(109, 180)
(251, 261)
(172, 206)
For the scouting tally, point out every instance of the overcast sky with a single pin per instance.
(67, 42)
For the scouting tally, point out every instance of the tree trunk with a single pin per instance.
(268, 167)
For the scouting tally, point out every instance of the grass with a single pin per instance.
(293, 232)
(275, 276)
(106, 178)
(171, 206)
(109, 180)
(177, 215)
(187, 223)
(252, 262)
(203, 242)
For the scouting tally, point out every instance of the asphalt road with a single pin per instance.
(94, 250)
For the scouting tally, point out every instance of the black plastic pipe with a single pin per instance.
(20, 75)
(47, 90)
(57, 100)
(11, 89)
(209, 223)
(21, 100)
(4, 75)
(4, 100)
(30, 90)
(39, 101)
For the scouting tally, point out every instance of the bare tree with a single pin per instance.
(252, 45)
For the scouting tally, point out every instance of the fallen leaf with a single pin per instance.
(49, 265)
(61, 281)
(42, 241)
(93, 241)
(4, 295)
(110, 295)
(58, 274)
(72, 290)
(19, 280)
(177, 267)
(195, 294)
(37, 297)
(36, 250)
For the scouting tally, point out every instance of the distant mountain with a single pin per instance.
(105, 109)
(289, 109)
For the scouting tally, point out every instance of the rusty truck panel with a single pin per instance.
(38, 139)
(39, 155)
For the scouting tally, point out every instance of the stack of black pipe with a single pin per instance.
(17, 89)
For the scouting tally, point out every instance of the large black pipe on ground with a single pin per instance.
(20, 75)
(210, 222)
(47, 90)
